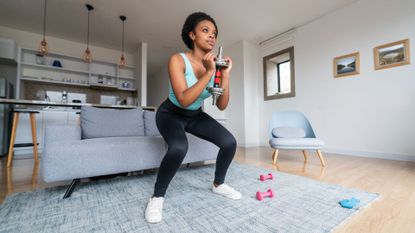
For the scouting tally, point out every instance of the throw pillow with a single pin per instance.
(288, 132)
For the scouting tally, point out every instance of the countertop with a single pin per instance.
(52, 105)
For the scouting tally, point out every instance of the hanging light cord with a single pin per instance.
(122, 49)
(87, 40)
(44, 21)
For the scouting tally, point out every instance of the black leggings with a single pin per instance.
(173, 122)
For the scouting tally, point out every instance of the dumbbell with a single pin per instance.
(261, 196)
(266, 177)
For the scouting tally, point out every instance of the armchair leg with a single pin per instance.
(275, 157)
(71, 187)
(305, 155)
(320, 156)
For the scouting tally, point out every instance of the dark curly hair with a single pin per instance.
(190, 24)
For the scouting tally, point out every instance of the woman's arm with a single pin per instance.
(186, 96)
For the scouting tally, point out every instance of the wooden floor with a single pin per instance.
(394, 180)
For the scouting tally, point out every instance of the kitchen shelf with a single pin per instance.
(105, 75)
(128, 67)
(74, 68)
(54, 68)
(126, 89)
(103, 86)
(126, 77)
(53, 81)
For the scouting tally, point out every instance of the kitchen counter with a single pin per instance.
(55, 105)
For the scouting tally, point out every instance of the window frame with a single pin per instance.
(290, 51)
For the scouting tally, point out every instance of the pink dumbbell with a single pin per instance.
(261, 196)
(266, 177)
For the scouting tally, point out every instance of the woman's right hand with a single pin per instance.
(209, 62)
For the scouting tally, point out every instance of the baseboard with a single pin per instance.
(247, 145)
(366, 154)
(369, 154)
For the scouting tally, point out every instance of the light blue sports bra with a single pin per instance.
(190, 80)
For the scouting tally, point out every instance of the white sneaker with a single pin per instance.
(154, 209)
(227, 191)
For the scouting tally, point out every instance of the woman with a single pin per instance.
(190, 73)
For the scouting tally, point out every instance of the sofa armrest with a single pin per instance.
(56, 133)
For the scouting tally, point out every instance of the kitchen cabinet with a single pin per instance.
(73, 118)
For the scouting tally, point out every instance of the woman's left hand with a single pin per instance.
(227, 69)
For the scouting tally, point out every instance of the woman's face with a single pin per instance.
(204, 35)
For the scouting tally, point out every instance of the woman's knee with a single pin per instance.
(177, 149)
(229, 143)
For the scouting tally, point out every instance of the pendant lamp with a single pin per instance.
(43, 46)
(87, 54)
(121, 63)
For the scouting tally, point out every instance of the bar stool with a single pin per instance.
(16, 113)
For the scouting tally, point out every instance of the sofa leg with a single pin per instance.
(188, 165)
(71, 187)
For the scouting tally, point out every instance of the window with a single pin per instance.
(279, 75)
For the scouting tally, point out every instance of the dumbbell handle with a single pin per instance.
(261, 196)
(263, 177)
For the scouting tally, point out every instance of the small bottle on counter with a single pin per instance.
(64, 97)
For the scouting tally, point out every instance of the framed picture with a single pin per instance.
(346, 65)
(392, 54)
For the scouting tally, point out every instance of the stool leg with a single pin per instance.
(34, 136)
(9, 174)
(34, 175)
(12, 138)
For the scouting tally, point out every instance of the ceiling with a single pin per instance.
(159, 22)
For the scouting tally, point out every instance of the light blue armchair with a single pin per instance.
(290, 130)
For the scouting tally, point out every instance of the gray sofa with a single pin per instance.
(109, 141)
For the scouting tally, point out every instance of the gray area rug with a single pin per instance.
(118, 204)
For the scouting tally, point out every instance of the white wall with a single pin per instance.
(158, 87)
(242, 113)
(141, 73)
(235, 112)
(251, 93)
(370, 114)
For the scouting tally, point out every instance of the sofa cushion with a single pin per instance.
(150, 127)
(296, 143)
(100, 122)
(288, 132)
(67, 160)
